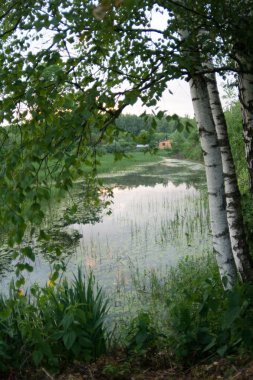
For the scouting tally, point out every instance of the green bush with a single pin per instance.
(203, 318)
(142, 335)
(185, 143)
(193, 314)
(53, 326)
(192, 296)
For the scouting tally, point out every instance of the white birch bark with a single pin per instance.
(233, 202)
(215, 180)
(242, 40)
(213, 167)
(246, 100)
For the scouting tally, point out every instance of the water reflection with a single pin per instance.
(172, 170)
(158, 215)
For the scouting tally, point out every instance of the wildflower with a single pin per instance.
(50, 283)
(21, 293)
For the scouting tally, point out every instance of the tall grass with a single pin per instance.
(53, 326)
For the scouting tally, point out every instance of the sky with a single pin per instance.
(179, 102)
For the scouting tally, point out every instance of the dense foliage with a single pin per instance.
(150, 131)
(186, 316)
(190, 315)
(53, 325)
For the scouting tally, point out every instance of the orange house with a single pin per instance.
(165, 144)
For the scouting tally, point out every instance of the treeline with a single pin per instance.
(183, 134)
(150, 130)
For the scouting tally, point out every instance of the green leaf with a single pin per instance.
(28, 252)
(230, 316)
(222, 350)
(131, 98)
(43, 236)
(67, 320)
(54, 276)
(210, 345)
(57, 38)
(37, 357)
(5, 313)
(69, 339)
(14, 255)
(20, 267)
(58, 335)
(20, 282)
(160, 115)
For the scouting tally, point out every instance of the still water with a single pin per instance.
(158, 215)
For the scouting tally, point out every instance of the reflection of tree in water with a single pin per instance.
(81, 206)
(160, 174)
(5, 260)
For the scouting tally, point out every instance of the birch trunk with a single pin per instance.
(246, 100)
(213, 166)
(215, 180)
(242, 49)
(240, 248)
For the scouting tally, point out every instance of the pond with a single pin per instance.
(159, 214)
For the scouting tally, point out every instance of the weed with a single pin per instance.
(192, 313)
(117, 370)
(142, 335)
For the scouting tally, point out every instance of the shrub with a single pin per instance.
(193, 314)
(53, 325)
(204, 319)
(142, 335)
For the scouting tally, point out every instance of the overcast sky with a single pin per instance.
(178, 102)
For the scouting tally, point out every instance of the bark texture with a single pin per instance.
(213, 164)
(246, 100)
(215, 179)
(240, 248)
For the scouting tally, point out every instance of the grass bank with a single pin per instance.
(108, 163)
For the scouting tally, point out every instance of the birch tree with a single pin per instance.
(242, 34)
(234, 215)
(215, 179)
(232, 24)
(238, 37)
(245, 81)
(212, 159)
(240, 248)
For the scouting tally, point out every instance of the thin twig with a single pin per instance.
(47, 374)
